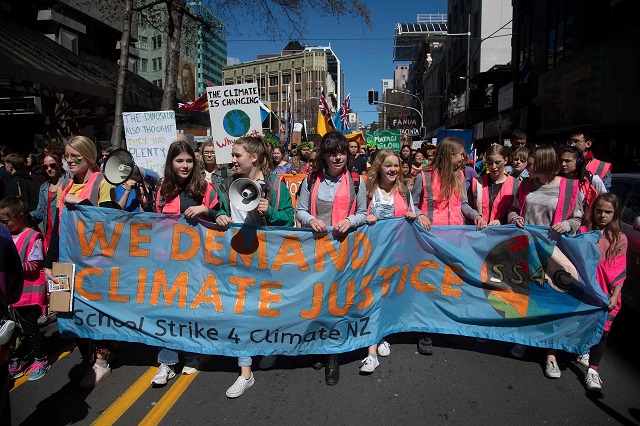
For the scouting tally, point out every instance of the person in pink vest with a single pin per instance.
(611, 273)
(492, 193)
(546, 199)
(584, 141)
(183, 191)
(332, 196)
(14, 213)
(87, 187)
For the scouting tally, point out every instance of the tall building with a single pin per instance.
(306, 70)
(400, 77)
(212, 49)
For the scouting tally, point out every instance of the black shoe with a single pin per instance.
(332, 370)
(317, 363)
(425, 346)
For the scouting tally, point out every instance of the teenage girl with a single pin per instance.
(251, 159)
(492, 193)
(548, 200)
(46, 210)
(332, 196)
(183, 191)
(282, 167)
(88, 187)
(440, 198)
(519, 163)
(14, 214)
(610, 274)
(388, 197)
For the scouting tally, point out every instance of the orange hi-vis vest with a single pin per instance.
(172, 206)
(90, 191)
(599, 168)
(34, 291)
(439, 212)
(566, 198)
(502, 202)
(344, 201)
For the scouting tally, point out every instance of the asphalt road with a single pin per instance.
(465, 382)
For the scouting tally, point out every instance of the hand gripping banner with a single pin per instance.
(163, 281)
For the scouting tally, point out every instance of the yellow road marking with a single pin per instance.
(52, 359)
(126, 400)
(163, 406)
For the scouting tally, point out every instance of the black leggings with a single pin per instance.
(596, 352)
(29, 321)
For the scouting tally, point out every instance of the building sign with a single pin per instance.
(407, 125)
(385, 139)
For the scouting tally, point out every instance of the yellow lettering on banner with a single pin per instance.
(137, 239)
(179, 230)
(324, 246)
(99, 235)
(387, 274)
(290, 252)
(267, 297)
(238, 246)
(242, 284)
(316, 303)
(415, 276)
(403, 278)
(113, 287)
(142, 285)
(79, 281)
(340, 311)
(211, 245)
(366, 292)
(451, 277)
(179, 287)
(210, 285)
(359, 239)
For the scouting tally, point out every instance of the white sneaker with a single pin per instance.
(165, 372)
(266, 362)
(592, 380)
(369, 364)
(551, 369)
(191, 365)
(583, 359)
(518, 351)
(239, 386)
(384, 348)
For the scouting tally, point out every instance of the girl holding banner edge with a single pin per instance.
(251, 159)
(332, 196)
(183, 191)
(546, 199)
(388, 197)
(87, 187)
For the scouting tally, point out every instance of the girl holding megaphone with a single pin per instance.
(251, 160)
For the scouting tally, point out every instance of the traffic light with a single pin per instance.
(373, 97)
(423, 132)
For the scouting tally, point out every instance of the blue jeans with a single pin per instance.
(170, 357)
(244, 361)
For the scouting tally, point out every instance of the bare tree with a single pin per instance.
(117, 141)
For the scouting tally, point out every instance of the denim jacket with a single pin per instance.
(40, 213)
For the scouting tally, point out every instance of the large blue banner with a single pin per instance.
(165, 281)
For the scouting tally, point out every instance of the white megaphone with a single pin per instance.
(245, 194)
(120, 167)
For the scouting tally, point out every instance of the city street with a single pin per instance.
(465, 381)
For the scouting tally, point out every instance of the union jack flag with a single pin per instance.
(346, 109)
(324, 106)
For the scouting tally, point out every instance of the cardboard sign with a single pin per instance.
(234, 112)
(60, 298)
(149, 135)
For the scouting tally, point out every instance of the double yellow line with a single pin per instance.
(135, 391)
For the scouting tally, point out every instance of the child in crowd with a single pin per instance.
(546, 199)
(519, 163)
(388, 197)
(332, 196)
(251, 159)
(610, 274)
(14, 213)
(183, 191)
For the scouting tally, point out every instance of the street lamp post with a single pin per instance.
(419, 100)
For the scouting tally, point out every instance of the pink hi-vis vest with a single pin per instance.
(502, 202)
(589, 191)
(400, 204)
(597, 167)
(344, 201)
(34, 291)
(566, 198)
(90, 191)
(439, 212)
(172, 206)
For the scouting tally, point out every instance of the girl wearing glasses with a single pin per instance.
(492, 193)
(210, 172)
(87, 187)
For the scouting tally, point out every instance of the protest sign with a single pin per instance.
(385, 139)
(234, 112)
(149, 135)
(293, 183)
